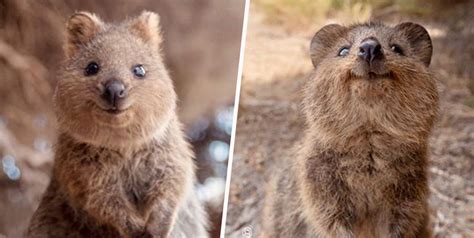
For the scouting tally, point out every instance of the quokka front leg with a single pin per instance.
(330, 218)
(409, 215)
(98, 192)
(161, 204)
(409, 220)
(326, 198)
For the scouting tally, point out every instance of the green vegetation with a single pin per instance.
(469, 101)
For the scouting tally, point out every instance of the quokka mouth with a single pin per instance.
(372, 75)
(115, 111)
(112, 110)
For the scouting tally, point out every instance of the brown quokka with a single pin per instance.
(360, 170)
(122, 166)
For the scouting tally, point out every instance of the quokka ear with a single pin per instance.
(419, 40)
(323, 40)
(82, 27)
(147, 27)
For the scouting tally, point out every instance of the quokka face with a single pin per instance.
(371, 75)
(110, 94)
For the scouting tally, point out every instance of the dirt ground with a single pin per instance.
(269, 120)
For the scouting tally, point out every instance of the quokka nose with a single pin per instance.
(114, 90)
(370, 50)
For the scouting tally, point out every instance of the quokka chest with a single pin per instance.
(364, 176)
(373, 165)
(365, 171)
(141, 175)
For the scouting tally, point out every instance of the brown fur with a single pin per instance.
(118, 175)
(360, 169)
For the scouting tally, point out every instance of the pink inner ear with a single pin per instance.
(147, 27)
(81, 29)
(142, 29)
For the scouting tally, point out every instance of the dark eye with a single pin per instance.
(91, 69)
(397, 49)
(139, 70)
(343, 51)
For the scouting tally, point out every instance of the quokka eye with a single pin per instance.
(92, 69)
(139, 71)
(343, 51)
(397, 49)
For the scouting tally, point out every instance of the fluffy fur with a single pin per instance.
(125, 174)
(360, 169)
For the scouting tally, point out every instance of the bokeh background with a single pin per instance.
(202, 43)
(277, 63)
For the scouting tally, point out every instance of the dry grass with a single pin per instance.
(301, 14)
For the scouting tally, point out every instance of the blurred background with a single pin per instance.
(202, 43)
(277, 63)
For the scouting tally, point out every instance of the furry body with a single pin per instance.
(360, 169)
(122, 166)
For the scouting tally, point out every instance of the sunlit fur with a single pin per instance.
(359, 170)
(123, 174)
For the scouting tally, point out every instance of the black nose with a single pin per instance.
(114, 90)
(370, 50)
